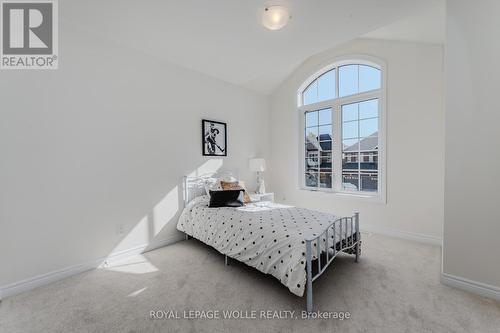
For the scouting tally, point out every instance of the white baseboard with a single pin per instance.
(41, 280)
(475, 287)
(120, 255)
(178, 236)
(421, 238)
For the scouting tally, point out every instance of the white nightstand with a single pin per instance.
(256, 197)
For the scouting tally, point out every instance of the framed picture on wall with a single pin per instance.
(214, 138)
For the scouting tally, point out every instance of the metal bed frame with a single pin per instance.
(350, 244)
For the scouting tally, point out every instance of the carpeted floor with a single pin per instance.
(394, 288)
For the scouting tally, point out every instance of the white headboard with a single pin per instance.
(194, 186)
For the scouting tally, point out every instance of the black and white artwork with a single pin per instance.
(214, 138)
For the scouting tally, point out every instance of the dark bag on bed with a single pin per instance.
(226, 198)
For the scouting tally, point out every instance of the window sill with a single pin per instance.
(363, 196)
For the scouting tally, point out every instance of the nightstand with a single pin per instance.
(256, 197)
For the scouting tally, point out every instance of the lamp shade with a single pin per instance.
(257, 165)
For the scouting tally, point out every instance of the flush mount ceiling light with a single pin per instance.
(275, 17)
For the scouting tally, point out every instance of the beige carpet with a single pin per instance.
(394, 288)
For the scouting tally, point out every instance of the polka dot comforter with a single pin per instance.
(265, 235)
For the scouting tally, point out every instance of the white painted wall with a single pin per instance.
(472, 217)
(415, 140)
(102, 142)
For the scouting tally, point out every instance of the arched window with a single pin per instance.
(342, 120)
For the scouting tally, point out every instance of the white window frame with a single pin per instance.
(336, 105)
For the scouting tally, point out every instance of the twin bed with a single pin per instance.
(295, 245)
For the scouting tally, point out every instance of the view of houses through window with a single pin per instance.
(358, 129)
(360, 146)
(319, 148)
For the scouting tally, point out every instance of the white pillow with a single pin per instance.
(198, 201)
(212, 184)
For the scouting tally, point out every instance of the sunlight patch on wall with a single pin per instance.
(139, 235)
(165, 210)
(152, 223)
(163, 213)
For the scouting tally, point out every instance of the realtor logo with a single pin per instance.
(29, 34)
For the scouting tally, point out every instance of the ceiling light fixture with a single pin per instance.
(275, 17)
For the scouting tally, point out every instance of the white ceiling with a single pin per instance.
(427, 25)
(224, 39)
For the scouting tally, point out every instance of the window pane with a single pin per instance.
(353, 79)
(311, 94)
(311, 118)
(369, 165)
(350, 145)
(368, 109)
(350, 181)
(350, 169)
(311, 148)
(325, 117)
(312, 165)
(325, 132)
(369, 182)
(325, 145)
(348, 80)
(312, 135)
(369, 144)
(326, 86)
(360, 156)
(325, 180)
(311, 179)
(369, 78)
(369, 160)
(326, 165)
(312, 161)
(350, 161)
(326, 161)
(350, 112)
(368, 127)
(350, 130)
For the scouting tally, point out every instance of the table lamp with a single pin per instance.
(259, 165)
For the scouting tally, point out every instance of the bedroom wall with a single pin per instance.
(415, 141)
(471, 248)
(92, 154)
